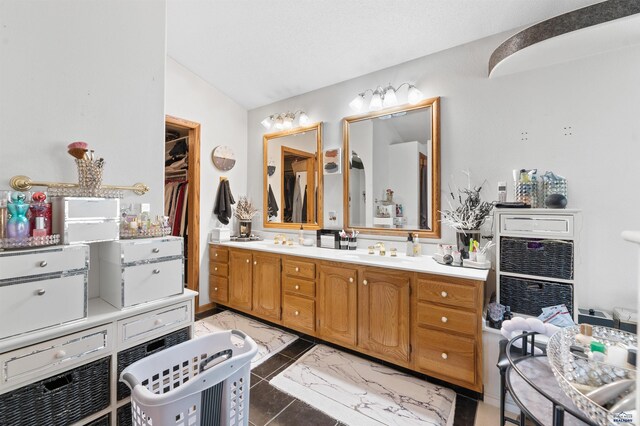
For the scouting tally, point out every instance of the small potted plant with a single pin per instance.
(245, 211)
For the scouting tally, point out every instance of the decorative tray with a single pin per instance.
(31, 242)
(126, 234)
(578, 375)
(245, 239)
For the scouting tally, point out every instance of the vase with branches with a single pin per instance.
(244, 212)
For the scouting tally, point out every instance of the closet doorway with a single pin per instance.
(182, 192)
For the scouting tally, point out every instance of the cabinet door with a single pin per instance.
(240, 266)
(266, 285)
(337, 300)
(383, 314)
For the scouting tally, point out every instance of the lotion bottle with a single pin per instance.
(301, 236)
(417, 248)
(409, 251)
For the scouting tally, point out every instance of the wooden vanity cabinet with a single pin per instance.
(240, 279)
(266, 285)
(338, 304)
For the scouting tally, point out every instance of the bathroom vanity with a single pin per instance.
(411, 312)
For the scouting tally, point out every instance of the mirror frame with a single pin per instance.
(434, 232)
(265, 142)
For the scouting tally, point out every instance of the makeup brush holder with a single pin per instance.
(527, 192)
(90, 173)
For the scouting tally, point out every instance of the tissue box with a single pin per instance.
(219, 235)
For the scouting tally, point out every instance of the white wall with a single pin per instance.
(222, 122)
(482, 121)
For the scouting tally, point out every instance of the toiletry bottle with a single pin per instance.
(417, 248)
(39, 223)
(301, 236)
(585, 336)
(18, 224)
(410, 245)
(4, 215)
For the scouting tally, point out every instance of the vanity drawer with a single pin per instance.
(446, 356)
(549, 225)
(32, 305)
(301, 287)
(72, 208)
(448, 293)
(218, 254)
(299, 313)
(219, 269)
(299, 268)
(73, 232)
(154, 323)
(447, 318)
(151, 281)
(43, 358)
(150, 249)
(218, 289)
(43, 261)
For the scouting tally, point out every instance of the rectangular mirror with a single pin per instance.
(293, 178)
(392, 170)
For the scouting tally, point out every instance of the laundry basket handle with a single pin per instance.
(129, 379)
(240, 334)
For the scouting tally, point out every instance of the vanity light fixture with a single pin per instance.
(386, 97)
(284, 120)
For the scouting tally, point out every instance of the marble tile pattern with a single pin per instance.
(361, 392)
(270, 340)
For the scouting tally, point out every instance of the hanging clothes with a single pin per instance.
(175, 205)
(296, 216)
(424, 200)
(272, 203)
(304, 206)
(289, 185)
(224, 200)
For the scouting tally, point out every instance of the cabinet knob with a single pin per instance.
(255, 262)
(41, 292)
(365, 282)
(297, 287)
(60, 354)
(351, 279)
(156, 250)
(156, 271)
(296, 313)
(215, 289)
(215, 268)
(248, 261)
(444, 294)
(297, 269)
(216, 255)
(444, 355)
(444, 319)
(43, 264)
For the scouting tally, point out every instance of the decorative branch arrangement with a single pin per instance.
(471, 213)
(245, 209)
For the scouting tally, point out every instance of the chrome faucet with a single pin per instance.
(380, 246)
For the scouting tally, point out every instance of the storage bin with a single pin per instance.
(102, 421)
(129, 356)
(200, 382)
(539, 257)
(61, 399)
(530, 296)
(86, 219)
(123, 417)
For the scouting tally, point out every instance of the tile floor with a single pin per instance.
(270, 406)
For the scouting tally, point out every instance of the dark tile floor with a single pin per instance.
(270, 406)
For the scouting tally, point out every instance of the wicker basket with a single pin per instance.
(128, 357)
(59, 400)
(542, 258)
(124, 416)
(530, 296)
(102, 421)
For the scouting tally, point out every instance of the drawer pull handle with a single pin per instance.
(296, 313)
(255, 262)
(444, 355)
(350, 279)
(156, 271)
(216, 254)
(247, 260)
(41, 292)
(444, 319)
(43, 263)
(215, 289)
(156, 250)
(158, 322)
(297, 269)
(444, 294)
(215, 269)
(60, 354)
(365, 282)
(297, 287)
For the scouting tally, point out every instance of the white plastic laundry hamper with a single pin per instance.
(204, 381)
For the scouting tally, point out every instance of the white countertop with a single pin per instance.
(632, 236)
(100, 312)
(424, 264)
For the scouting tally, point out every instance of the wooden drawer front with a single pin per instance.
(151, 249)
(219, 269)
(152, 281)
(218, 254)
(301, 287)
(447, 318)
(300, 269)
(447, 293)
(52, 355)
(36, 262)
(218, 289)
(446, 356)
(33, 305)
(299, 313)
(154, 323)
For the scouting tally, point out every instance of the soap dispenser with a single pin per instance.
(417, 248)
(409, 251)
(301, 236)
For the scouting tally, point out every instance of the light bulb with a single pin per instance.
(414, 95)
(357, 102)
(303, 118)
(390, 98)
(287, 122)
(267, 123)
(279, 123)
(376, 101)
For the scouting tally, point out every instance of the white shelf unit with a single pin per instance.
(537, 259)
